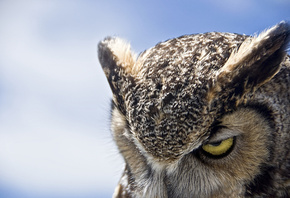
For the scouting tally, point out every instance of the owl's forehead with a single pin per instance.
(181, 69)
(199, 54)
(170, 97)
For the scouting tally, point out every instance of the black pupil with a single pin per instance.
(216, 143)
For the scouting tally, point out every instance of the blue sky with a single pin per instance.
(54, 98)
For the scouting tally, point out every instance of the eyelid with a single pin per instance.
(223, 133)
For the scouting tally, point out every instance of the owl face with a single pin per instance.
(192, 116)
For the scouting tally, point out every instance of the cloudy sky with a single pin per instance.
(54, 98)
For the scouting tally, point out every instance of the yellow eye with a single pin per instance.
(219, 148)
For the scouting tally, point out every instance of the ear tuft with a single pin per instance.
(255, 62)
(264, 45)
(113, 52)
(117, 61)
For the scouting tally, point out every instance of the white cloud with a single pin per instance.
(53, 106)
(56, 159)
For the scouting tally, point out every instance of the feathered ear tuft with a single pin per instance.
(255, 62)
(117, 61)
(115, 52)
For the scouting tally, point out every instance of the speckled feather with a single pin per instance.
(172, 94)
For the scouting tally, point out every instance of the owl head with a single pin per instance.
(197, 115)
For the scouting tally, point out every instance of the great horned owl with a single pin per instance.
(203, 115)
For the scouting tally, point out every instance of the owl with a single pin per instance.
(202, 115)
